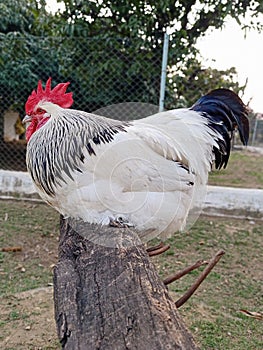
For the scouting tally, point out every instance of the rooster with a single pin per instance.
(145, 173)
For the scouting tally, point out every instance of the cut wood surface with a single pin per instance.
(109, 295)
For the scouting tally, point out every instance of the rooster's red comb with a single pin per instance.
(58, 96)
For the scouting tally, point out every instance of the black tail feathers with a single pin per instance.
(225, 112)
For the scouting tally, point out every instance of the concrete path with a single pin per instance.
(220, 201)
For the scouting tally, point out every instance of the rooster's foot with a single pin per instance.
(120, 222)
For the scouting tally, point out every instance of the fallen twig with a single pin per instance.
(12, 249)
(184, 272)
(200, 279)
(159, 249)
(150, 249)
(256, 315)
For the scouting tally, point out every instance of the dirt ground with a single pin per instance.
(26, 302)
(33, 325)
(27, 317)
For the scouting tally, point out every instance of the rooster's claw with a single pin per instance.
(120, 222)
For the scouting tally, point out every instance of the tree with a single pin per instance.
(110, 50)
(20, 22)
(148, 20)
(139, 27)
(111, 297)
(194, 80)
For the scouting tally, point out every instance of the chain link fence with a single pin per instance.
(101, 73)
(115, 72)
(257, 131)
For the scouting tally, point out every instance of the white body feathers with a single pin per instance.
(151, 172)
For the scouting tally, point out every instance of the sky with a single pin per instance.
(229, 47)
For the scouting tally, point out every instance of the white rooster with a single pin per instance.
(145, 173)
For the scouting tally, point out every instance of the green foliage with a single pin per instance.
(194, 80)
(111, 51)
(20, 23)
(148, 20)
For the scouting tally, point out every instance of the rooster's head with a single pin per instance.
(37, 116)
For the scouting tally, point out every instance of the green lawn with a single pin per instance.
(213, 313)
(245, 169)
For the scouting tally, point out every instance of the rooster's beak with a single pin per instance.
(26, 119)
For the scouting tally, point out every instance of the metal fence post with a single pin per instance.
(254, 132)
(163, 73)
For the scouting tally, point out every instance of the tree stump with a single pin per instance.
(109, 296)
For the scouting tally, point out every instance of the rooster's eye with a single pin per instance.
(40, 110)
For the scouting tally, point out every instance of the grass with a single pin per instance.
(244, 169)
(212, 314)
(29, 227)
(27, 322)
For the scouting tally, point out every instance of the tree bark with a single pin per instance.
(109, 296)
